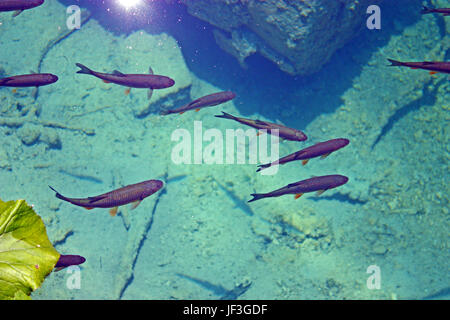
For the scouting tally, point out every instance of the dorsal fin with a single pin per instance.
(97, 198)
(118, 73)
(292, 184)
(260, 122)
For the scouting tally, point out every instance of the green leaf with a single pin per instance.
(26, 254)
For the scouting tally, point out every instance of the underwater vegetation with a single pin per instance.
(198, 234)
(26, 254)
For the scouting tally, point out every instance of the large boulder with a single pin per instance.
(299, 36)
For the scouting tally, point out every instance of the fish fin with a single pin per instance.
(291, 185)
(413, 68)
(256, 196)
(259, 133)
(5, 81)
(53, 189)
(319, 192)
(298, 195)
(150, 70)
(181, 112)
(16, 13)
(304, 162)
(226, 116)
(432, 72)
(149, 94)
(59, 195)
(260, 122)
(14, 90)
(113, 211)
(135, 204)
(83, 69)
(127, 91)
(395, 63)
(88, 208)
(106, 81)
(197, 110)
(58, 269)
(325, 155)
(97, 198)
(118, 73)
(263, 166)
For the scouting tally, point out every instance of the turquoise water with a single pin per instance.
(199, 238)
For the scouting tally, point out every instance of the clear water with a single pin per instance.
(199, 238)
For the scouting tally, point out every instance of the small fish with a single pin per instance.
(133, 193)
(444, 11)
(68, 260)
(283, 132)
(318, 184)
(29, 80)
(19, 5)
(150, 81)
(321, 149)
(432, 66)
(210, 100)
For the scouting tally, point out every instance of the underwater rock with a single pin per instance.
(299, 36)
(29, 134)
(51, 138)
(4, 161)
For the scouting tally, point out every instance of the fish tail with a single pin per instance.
(426, 10)
(226, 116)
(395, 63)
(83, 69)
(263, 166)
(58, 195)
(256, 196)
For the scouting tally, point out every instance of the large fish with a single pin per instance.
(283, 132)
(210, 100)
(19, 5)
(321, 149)
(150, 81)
(432, 66)
(318, 184)
(29, 80)
(443, 11)
(133, 193)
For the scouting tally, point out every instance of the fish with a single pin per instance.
(149, 81)
(315, 184)
(283, 132)
(67, 260)
(133, 193)
(29, 80)
(444, 11)
(19, 5)
(321, 149)
(432, 66)
(210, 100)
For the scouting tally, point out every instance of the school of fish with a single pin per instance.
(135, 193)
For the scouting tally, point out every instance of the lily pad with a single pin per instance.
(26, 254)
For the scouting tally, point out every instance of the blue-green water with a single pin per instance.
(198, 238)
